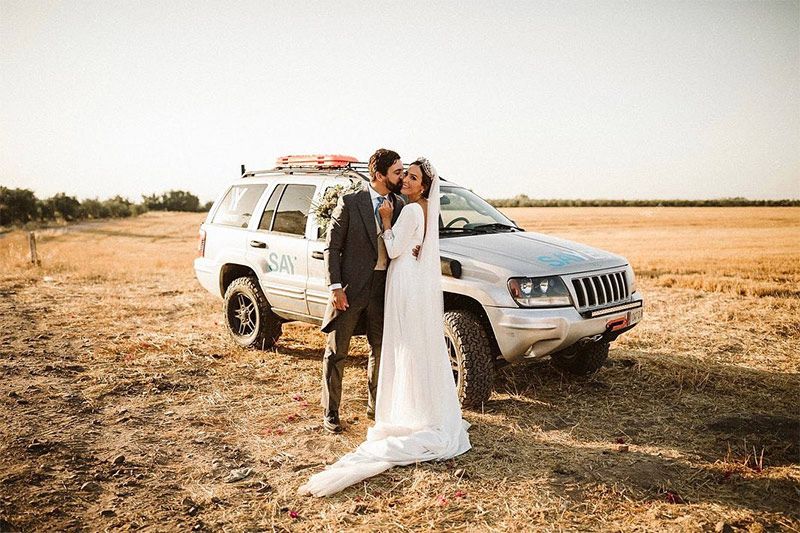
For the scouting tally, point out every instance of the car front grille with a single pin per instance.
(601, 289)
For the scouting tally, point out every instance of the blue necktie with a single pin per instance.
(380, 199)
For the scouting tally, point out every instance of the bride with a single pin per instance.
(417, 413)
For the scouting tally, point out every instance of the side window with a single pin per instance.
(293, 209)
(269, 210)
(237, 206)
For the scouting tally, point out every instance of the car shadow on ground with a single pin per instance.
(656, 426)
(710, 411)
(666, 400)
(581, 468)
(355, 359)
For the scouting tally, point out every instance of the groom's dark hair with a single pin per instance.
(381, 160)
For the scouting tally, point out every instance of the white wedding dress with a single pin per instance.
(417, 412)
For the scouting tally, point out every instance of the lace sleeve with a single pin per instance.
(400, 237)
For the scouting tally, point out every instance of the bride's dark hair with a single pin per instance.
(427, 179)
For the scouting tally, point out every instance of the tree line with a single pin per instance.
(21, 206)
(522, 200)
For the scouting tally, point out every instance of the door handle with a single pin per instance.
(317, 255)
(258, 244)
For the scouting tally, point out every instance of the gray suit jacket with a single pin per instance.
(351, 248)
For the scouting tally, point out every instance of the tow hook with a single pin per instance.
(617, 324)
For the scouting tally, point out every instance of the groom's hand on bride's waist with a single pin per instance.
(415, 251)
(339, 299)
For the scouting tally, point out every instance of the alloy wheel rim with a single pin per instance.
(453, 356)
(243, 315)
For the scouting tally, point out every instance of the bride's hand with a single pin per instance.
(385, 211)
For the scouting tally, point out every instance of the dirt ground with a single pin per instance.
(123, 404)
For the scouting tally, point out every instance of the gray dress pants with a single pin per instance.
(369, 308)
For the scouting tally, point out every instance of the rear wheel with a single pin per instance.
(248, 316)
(470, 357)
(581, 360)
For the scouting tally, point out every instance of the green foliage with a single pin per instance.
(17, 206)
(522, 200)
(67, 208)
(116, 207)
(172, 201)
(323, 209)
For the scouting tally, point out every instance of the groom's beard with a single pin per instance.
(394, 187)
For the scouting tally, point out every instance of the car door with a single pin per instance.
(281, 245)
(317, 293)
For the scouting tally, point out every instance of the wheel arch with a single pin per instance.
(454, 301)
(232, 271)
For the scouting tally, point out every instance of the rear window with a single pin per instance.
(236, 208)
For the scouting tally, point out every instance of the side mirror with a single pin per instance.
(450, 267)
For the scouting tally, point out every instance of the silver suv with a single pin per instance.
(509, 295)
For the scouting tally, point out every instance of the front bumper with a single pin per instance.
(532, 333)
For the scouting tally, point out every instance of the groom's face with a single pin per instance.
(394, 177)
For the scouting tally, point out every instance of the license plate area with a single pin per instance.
(635, 315)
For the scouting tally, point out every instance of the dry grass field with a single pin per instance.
(123, 405)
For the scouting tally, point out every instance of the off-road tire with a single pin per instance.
(468, 342)
(581, 360)
(263, 327)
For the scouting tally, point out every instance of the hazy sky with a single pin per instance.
(551, 99)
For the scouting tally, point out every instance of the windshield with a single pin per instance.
(463, 209)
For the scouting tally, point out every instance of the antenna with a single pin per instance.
(242, 174)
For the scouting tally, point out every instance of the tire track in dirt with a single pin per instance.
(92, 440)
(84, 444)
(49, 443)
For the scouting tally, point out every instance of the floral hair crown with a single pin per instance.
(427, 167)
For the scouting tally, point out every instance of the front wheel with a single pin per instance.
(470, 357)
(581, 360)
(248, 316)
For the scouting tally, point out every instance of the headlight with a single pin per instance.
(539, 292)
(633, 281)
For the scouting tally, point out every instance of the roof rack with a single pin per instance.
(314, 164)
(317, 164)
(315, 161)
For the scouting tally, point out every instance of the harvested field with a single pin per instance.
(125, 406)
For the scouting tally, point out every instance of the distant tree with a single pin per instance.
(152, 202)
(522, 200)
(17, 206)
(45, 211)
(181, 201)
(208, 205)
(172, 201)
(118, 207)
(20, 206)
(67, 207)
(94, 209)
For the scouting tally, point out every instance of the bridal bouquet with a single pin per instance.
(323, 209)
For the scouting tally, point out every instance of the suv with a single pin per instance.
(509, 295)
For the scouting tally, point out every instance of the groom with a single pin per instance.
(355, 264)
